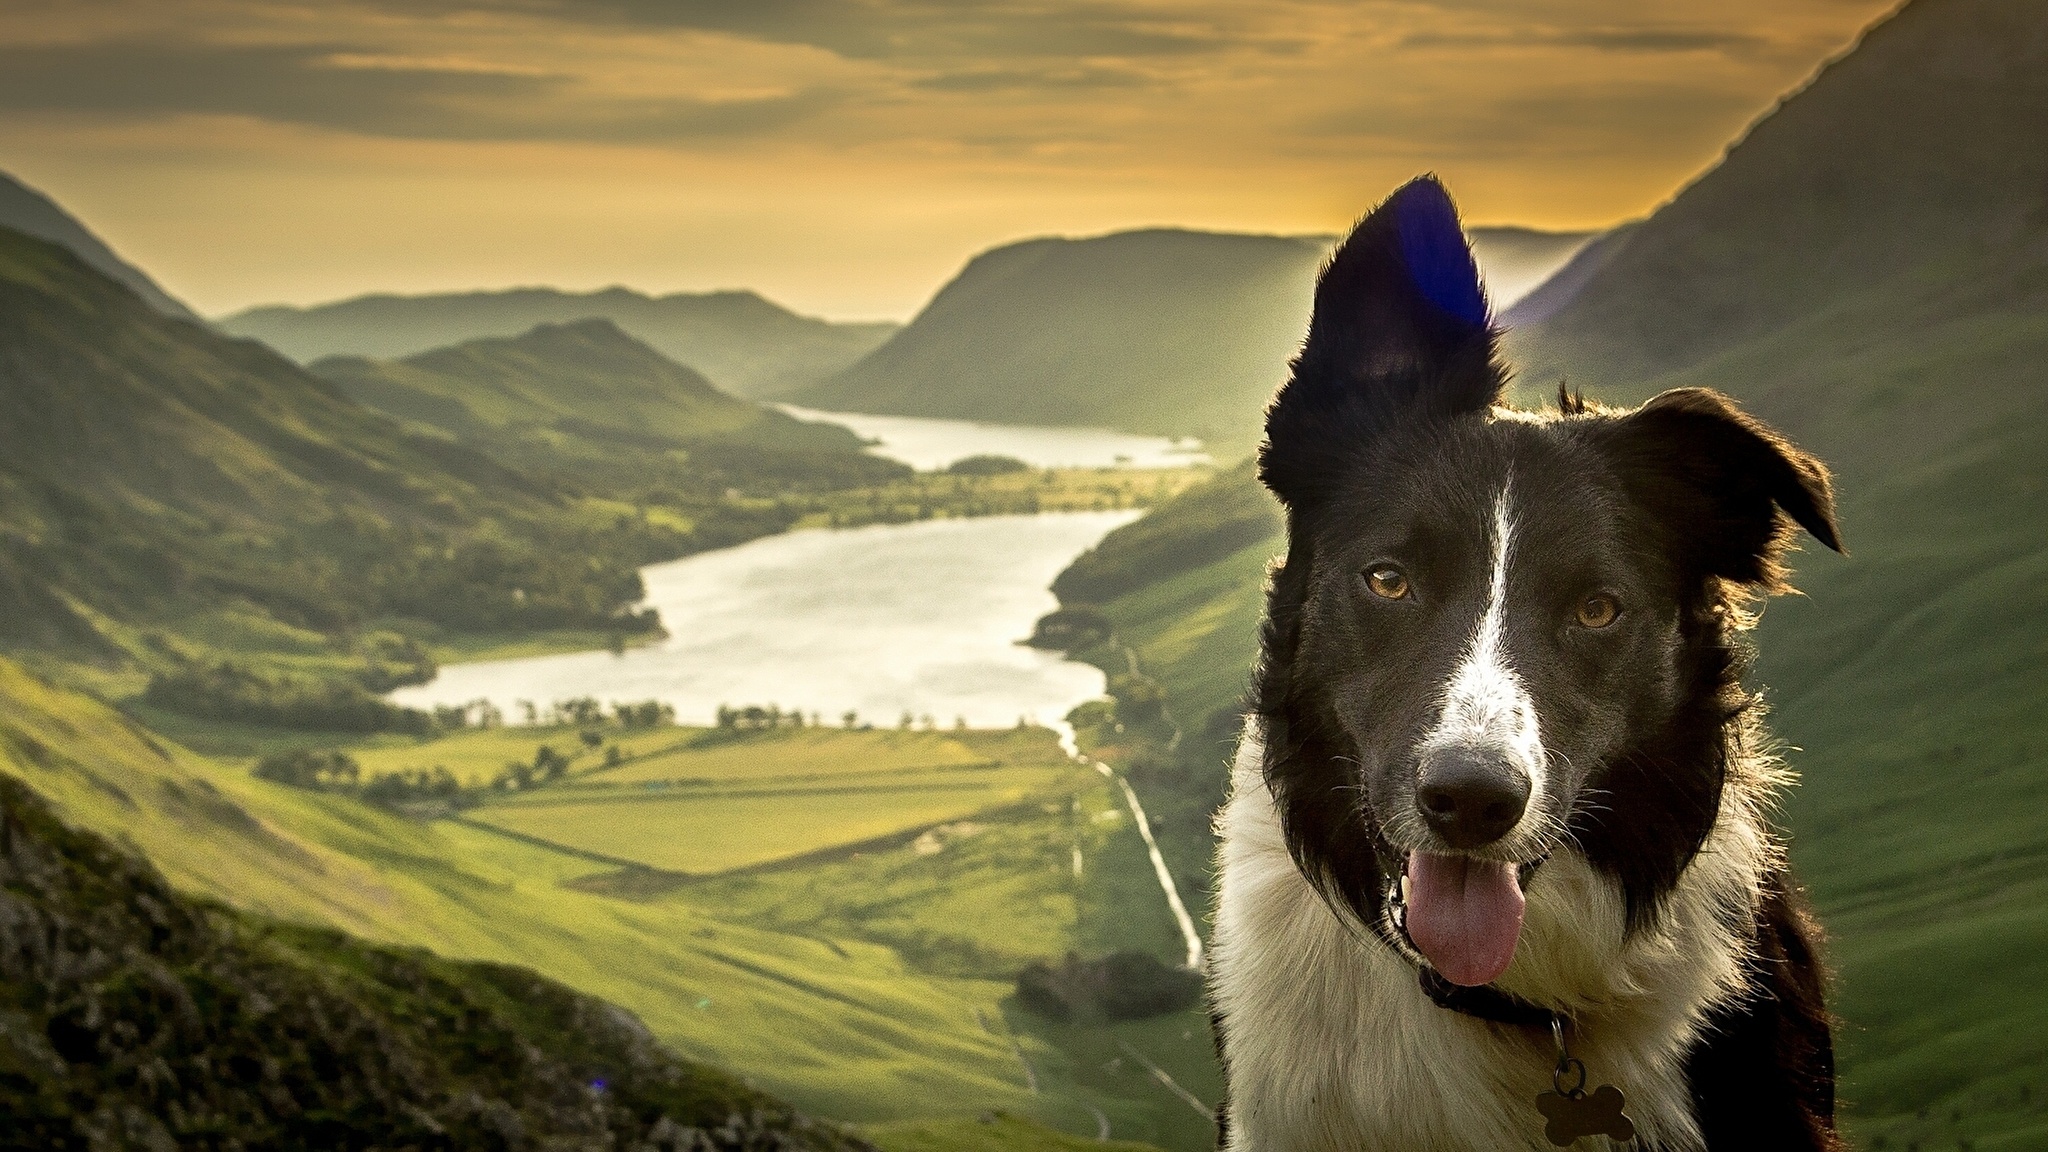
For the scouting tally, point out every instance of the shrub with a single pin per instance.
(229, 691)
(1071, 629)
(414, 786)
(646, 714)
(987, 465)
(319, 771)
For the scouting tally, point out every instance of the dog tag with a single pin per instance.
(1570, 1116)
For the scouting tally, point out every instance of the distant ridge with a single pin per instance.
(1917, 152)
(31, 213)
(1516, 261)
(585, 375)
(1549, 296)
(745, 344)
(1165, 331)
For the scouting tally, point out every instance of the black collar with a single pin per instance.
(1484, 1002)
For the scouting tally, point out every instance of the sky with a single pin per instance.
(843, 158)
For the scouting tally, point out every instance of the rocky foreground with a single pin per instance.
(133, 1017)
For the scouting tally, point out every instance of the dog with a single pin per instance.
(1496, 870)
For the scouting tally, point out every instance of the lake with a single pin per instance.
(927, 444)
(885, 619)
(921, 618)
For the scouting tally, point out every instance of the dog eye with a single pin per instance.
(1387, 582)
(1598, 610)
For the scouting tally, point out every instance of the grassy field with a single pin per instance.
(818, 753)
(872, 987)
(715, 803)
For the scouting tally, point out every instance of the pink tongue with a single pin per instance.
(1465, 915)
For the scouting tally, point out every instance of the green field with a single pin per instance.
(702, 834)
(817, 753)
(714, 803)
(868, 986)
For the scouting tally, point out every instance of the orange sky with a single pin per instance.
(843, 157)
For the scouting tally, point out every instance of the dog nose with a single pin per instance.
(1471, 798)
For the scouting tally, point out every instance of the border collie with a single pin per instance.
(1497, 870)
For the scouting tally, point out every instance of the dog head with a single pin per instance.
(1499, 632)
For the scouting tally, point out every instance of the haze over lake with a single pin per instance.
(926, 444)
(921, 617)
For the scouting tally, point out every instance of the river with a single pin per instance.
(921, 618)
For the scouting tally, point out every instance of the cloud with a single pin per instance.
(902, 29)
(1601, 39)
(1631, 117)
(1031, 79)
(360, 89)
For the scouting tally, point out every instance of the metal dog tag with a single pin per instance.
(1570, 1113)
(1570, 1116)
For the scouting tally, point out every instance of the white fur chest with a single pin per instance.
(1331, 1045)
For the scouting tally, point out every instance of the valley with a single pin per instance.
(582, 636)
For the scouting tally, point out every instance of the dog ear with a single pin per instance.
(1400, 331)
(1718, 477)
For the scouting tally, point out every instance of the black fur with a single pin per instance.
(1382, 448)
(1764, 1076)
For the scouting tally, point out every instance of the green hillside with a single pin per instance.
(200, 517)
(587, 370)
(870, 985)
(154, 470)
(137, 1017)
(31, 213)
(745, 344)
(588, 401)
(1868, 269)
(1162, 331)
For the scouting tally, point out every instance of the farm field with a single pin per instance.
(720, 831)
(719, 802)
(827, 981)
(814, 752)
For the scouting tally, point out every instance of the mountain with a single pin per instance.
(586, 372)
(743, 343)
(1516, 261)
(1164, 331)
(588, 403)
(151, 464)
(1867, 269)
(1547, 297)
(197, 512)
(128, 1008)
(28, 211)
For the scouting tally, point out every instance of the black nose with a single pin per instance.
(1470, 797)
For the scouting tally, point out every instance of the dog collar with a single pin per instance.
(1485, 1002)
